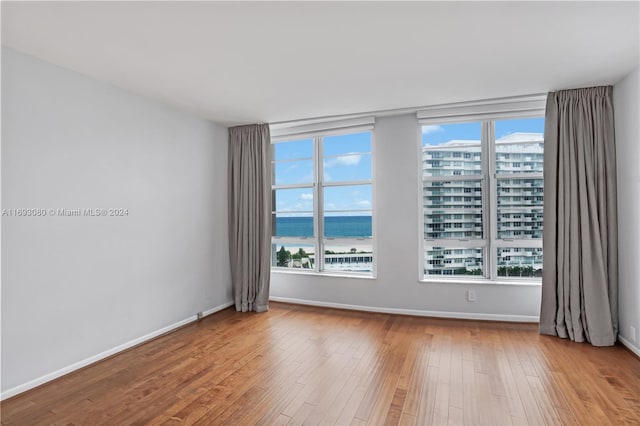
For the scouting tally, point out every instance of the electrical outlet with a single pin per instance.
(471, 295)
(199, 315)
(632, 333)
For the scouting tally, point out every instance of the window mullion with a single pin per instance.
(347, 183)
(319, 204)
(491, 198)
(527, 175)
(293, 186)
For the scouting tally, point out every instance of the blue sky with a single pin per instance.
(437, 134)
(345, 158)
(348, 158)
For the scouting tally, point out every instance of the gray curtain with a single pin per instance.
(250, 216)
(580, 269)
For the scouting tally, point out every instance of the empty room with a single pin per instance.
(320, 213)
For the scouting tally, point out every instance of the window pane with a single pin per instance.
(349, 167)
(452, 209)
(451, 150)
(293, 150)
(293, 200)
(292, 224)
(520, 208)
(519, 261)
(346, 144)
(344, 205)
(298, 256)
(347, 198)
(293, 172)
(348, 225)
(519, 145)
(453, 261)
(356, 257)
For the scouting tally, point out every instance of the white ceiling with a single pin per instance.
(243, 62)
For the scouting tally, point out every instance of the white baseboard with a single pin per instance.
(413, 312)
(217, 308)
(629, 345)
(75, 366)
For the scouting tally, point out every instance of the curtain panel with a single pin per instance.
(580, 241)
(250, 216)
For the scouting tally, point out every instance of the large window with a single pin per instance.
(482, 198)
(322, 203)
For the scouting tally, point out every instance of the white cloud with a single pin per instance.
(306, 196)
(344, 160)
(431, 129)
(301, 204)
(349, 160)
(363, 203)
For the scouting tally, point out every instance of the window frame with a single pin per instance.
(318, 240)
(489, 178)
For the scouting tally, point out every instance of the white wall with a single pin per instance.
(398, 232)
(626, 97)
(76, 287)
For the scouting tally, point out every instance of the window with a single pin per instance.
(322, 203)
(497, 242)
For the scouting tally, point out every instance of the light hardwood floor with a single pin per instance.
(304, 365)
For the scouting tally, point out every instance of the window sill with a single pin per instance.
(482, 281)
(369, 276)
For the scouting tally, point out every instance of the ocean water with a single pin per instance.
(334, 226)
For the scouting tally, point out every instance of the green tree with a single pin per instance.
(353, 250)
(514, 271)
(283, 256)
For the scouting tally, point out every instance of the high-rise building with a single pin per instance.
(453, 209)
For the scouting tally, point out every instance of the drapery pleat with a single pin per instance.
(580, 237)
(250, 216)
